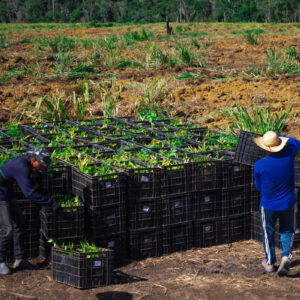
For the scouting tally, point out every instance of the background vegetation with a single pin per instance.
(145, 11)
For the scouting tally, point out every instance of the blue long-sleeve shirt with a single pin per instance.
(20, 169)
(275, 177)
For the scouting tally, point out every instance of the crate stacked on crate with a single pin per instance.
(143, 200)
(103, 190)
(65, 225)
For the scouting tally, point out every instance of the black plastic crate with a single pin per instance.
(237, 175)
(144, 213)
(117, 243)
(208, 175)
(99, 191)
(176, 179)
(56, 179)
(177, 209)
(82, 270)
(236, 201)
(238, 227)
(145, 243)
(106, 221)
(297, 171)
(178, 238)
(247, 151)
(67, 224)
(255, 198)
(144, 182)
(207, 204)
(209, 232)
(44, 247)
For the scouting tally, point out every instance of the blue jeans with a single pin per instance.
(287, 230)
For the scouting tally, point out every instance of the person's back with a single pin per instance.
(275, 177)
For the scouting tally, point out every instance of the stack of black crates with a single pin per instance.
(104, 198)
(222, 203)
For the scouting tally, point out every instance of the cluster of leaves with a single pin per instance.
(67, 200)
(83, 247)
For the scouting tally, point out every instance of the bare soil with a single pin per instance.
(230, 271)
(224, 79)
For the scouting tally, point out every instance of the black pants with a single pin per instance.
(11, 226)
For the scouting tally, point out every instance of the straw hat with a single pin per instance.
(271, 142)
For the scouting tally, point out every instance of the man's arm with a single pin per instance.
(257, 180)
(294, 143)
(24, 181)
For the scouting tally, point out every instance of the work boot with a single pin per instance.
(22, 264)
(268, 268)
(4, 269)
(284, 266)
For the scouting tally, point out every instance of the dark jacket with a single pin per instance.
(20, 169)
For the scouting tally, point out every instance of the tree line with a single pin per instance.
(147, 11)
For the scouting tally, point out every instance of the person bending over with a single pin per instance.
(11, 219)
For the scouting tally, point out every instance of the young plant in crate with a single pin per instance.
(67, 223)
(82, 266)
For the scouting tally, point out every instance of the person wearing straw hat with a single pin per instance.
(11, 219)
(275, 179)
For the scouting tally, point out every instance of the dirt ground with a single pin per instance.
(231, 271)
(223, 80)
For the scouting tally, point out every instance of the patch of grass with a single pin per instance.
(87, 43)
(61, 43)
(110, 98)
(188, 57)
(192, 34)
(188, 75)
(180, 28)
(144, 36)
(150, 101)
(251, 35)
(157, 58)
(11, 74)
(62, 61)
(127, 64)
(3, 42)
(83, 68)
(281, 63)
(163, 37)
(53, 108)
(25, 41)
(256, 118)
(195, 44)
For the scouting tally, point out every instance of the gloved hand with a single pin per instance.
(55, 207)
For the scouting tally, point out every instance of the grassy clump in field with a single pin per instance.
(256, 118)
(3, 42)
(286, 61)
